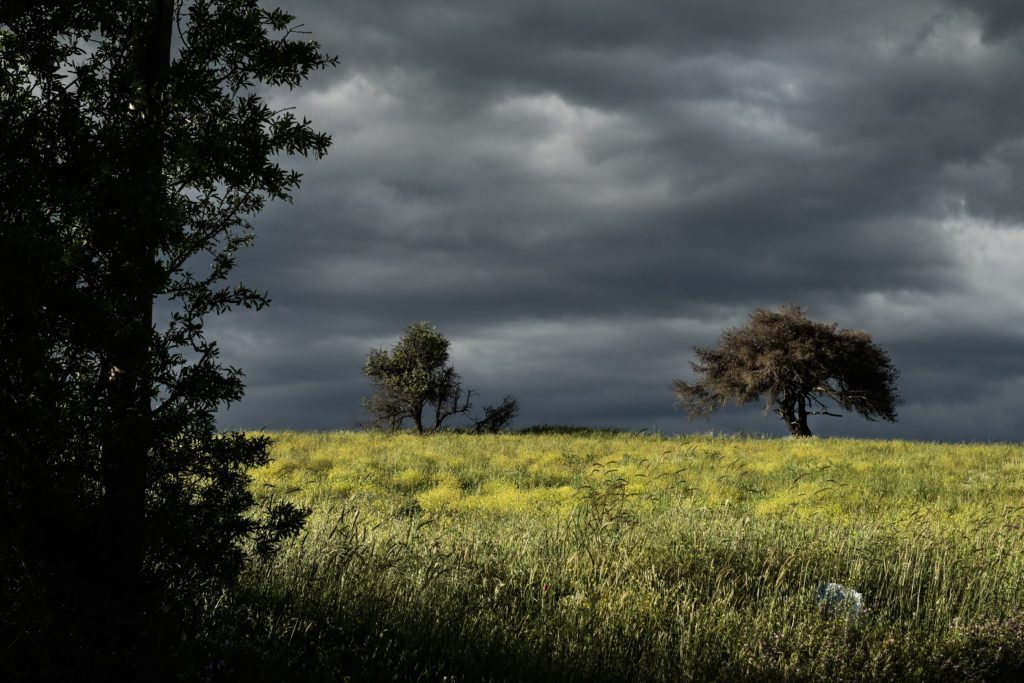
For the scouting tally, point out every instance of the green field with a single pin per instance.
(601, 556)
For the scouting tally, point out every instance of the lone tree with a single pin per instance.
(795, 364)
(135, 146)
(415, 381)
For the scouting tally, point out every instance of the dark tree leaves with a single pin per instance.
(497, 417)
(129, 175)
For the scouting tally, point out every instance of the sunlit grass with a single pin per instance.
(637, 557)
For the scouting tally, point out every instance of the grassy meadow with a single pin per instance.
(609, 557)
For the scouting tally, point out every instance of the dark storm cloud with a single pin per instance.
(1000, 19)
(578, 192)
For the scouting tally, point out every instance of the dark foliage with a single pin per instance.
(497, 418)
(128, 173)
(574, 430)
(794, 364)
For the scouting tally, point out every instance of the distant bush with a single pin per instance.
(574, 430)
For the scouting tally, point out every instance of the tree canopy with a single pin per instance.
(797, 366)
(135, 147)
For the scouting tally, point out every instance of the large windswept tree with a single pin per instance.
(797, 366)
(135, 146)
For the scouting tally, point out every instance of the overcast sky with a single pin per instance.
(577, 192)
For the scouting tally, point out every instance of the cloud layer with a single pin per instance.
(577, 193)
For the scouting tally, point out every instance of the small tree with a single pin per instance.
(794, 364)
(415, 381)
(497, 418)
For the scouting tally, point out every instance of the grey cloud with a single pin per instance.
(578, 168)
(1000, 19)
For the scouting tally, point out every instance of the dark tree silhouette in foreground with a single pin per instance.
(129, 172)
(794, 364)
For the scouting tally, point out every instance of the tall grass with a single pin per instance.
(627, 557)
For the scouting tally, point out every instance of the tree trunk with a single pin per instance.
(801, 422)
(794, 414)
(134, 283)
(788, 413)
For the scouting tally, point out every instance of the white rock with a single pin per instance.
(837, 599)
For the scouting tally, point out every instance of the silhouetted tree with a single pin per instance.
(414, 381)
(129, 172)
(496, 418)
(793, 363)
